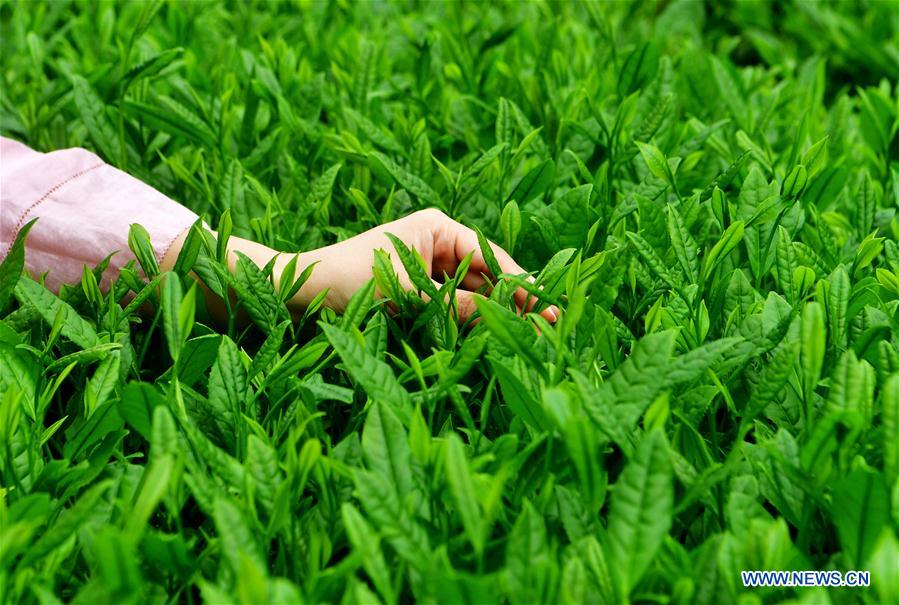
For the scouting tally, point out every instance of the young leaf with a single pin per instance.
(99, 388)
(462, 487)
(172, 299)
(235, 534)
(366, 543)
(890, 397)
(13, 265)
(359, 305)
(268, 352)
(374, 375)
(416, 272)
(139, 242)
(386, 449)
(683, 244)
(729, 240)
(93, 113)
(510, 330)
(68, 522)
(838, 307)
(510, 224)
(518, 396)
(617, 405)
(652, 260)
(533, 183)
(814, 339)
(155, 482)
(639, 68)
(859, 508)
(657, 164)
(527, 553)
(489, 256)
(641, 512)
(258, 295)
(263, 470)
(227, 387)
(72, 325)
(409, 181)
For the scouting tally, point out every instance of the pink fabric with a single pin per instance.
(85, 209)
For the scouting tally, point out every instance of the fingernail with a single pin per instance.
(554, 310)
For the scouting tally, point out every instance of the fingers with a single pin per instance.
(449, 244)
(465, 303)
(466, 240)
(466, 306)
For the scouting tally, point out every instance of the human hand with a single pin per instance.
(343, 268)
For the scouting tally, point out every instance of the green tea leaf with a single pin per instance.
(684, 246)
(527, 551)
(462, 487)
(518, 396)
(411, 182)
(263, 469)
(365, 542)
(12, 266)
(72, 326)
(657, 163)
(386, 449)
(236, 536)
(729, 240)
(98, 389)
(139, 242)
(258, 295)
(813, 349)
(859, 508)
(93, 112)
(533, 184)
(510, 330)
(172, 298)
(154, 485)
(638, 69)
(890, 401)
(641, 512)
(67, 523)
(227, 386)
(413, 267)
(374, 375)
(618, 404)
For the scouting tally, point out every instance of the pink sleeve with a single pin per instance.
(85, 209)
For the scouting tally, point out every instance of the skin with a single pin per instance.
(344, 267)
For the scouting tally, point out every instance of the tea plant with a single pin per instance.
(707, 191)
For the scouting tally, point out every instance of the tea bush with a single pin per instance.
(707, 190)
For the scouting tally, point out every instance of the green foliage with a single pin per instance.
(707, 190)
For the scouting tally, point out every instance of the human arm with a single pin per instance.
(86, 207)
(344, 267)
